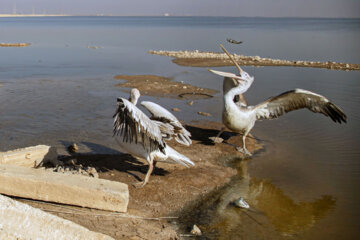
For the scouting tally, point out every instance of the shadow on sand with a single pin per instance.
(203, 134)
(105, 159)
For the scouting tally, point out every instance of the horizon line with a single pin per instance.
(159, 15)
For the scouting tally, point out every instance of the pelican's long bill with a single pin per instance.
(226, 74)
(232, 59)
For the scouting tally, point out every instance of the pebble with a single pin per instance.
(92, 172)
(190, 103)
(204, 114)
(73, 148)
(240, 202)
(175, 109)
(196, 230)
(216, 139)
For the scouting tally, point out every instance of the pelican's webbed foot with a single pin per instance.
(244, 151)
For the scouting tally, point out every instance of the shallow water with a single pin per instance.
(58, 91)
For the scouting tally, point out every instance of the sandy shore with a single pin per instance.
(212, 59)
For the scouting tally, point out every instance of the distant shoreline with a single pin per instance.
(34, 15)
(110, 15)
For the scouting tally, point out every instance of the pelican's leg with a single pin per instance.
(217, 139)
(147, 177)
(243, 148)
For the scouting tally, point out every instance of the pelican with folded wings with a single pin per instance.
(143, 137)
(241, 118)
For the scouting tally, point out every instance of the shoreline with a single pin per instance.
(34, 15)
(213, 59)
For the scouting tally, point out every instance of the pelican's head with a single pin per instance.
(244, 76)
(134, 95)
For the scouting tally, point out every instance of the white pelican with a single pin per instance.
(239, 117)
(140, 136)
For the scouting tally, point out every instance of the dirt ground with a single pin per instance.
(170, 190)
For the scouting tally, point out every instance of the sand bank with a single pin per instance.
(14, 44)
(213, 59)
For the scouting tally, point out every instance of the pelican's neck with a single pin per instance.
(229, 96)
(134, 99)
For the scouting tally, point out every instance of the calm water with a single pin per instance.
(305, 185)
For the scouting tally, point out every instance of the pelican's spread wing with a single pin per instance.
(159, 113)
(166, 129)
(134, 126)
(244, 81)
(297, 99)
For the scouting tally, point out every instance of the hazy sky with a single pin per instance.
(267, 8)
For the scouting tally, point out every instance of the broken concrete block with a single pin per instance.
(62, 188)
(21, 221)
(29, 156)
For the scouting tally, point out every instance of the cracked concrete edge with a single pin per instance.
(29, 156)
(21, 221)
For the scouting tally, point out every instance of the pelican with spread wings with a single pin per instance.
(239, 117)
(143, 137)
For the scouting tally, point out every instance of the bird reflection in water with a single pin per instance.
(272, 214)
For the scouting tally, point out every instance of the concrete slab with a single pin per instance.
(62, 188)
(21, 221)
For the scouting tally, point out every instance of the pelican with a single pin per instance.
(140, 136)
(233, 41)
(241, 118)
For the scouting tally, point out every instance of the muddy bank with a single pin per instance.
(14, 44)
(171, 187)
(212, 59)
(158, 86)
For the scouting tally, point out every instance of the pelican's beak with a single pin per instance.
(233, 76)
(232, 59)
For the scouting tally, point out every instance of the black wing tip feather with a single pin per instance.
(335, 113)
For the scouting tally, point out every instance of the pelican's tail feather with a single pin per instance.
(177, 157)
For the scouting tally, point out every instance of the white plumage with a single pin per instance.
(140, 136)
(239, 117)
(181, 135)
